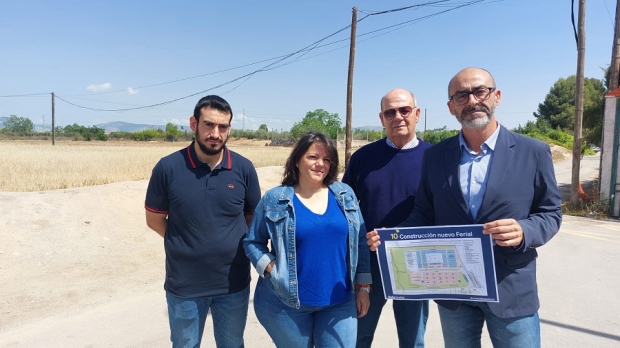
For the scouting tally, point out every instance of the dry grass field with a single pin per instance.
(27, 166)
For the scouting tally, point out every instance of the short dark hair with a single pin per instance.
(213, 102)
(291, 172)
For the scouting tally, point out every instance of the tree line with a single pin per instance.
(554, 123)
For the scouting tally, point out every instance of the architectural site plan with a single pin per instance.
(440, 262)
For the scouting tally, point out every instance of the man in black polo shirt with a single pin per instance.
(201, 200)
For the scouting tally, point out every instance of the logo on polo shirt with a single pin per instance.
(231, 186)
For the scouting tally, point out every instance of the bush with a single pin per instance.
(148, 135)
(81, 132)
(437, 135)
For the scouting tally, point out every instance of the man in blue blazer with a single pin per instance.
(489, 175)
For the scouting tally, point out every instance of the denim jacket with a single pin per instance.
(274, 219)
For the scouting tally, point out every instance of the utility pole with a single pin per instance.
(348, 133)
(615, 53)
(43, 126)
(53, 121)
(581, 52)
(243, 121)
(337, 142)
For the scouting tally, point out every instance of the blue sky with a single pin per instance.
(79, 49)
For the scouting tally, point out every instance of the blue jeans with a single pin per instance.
(187, 318)
(410, 316)
(329, 326)
(462, 328)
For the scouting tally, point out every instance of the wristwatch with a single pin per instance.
(364, 288)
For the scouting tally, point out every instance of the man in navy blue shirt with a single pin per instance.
(201, 200)
(385, 176)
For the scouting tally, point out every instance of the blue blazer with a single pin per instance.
(521, 185)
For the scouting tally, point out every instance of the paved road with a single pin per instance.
(588, 172)
(579, 287)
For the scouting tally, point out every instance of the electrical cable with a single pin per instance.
(415, 20)
(246, 77)
(306, 49)
(25, 95)
(572, 17)
(608, 14)
(275, 64)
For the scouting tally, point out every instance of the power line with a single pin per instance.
(25, 95)
(280, 59)
(306, 49)
(117, 103)
(430, 4)
(246, 77)
(608, 14)
(407, 7)
(178, 80)
(572, 18)
(398, 26)
(419, 19)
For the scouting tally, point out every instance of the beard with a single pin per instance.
(210, 150)
(476, 122)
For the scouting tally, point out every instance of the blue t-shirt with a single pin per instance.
(206, 221)
(321, 242)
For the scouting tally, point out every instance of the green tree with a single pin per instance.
(558, 109)
(318, 120)
(434, 136)
(97, 132)
(263, 127)
(20, 125)
(74, 129)
(82, 132)
(364, 134)
(172, 130)
(530, 127)
(606, 80)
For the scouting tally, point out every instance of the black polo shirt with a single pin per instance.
(206, 221)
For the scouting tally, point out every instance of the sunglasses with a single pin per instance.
(404, 111)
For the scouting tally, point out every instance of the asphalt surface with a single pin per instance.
(579, 288)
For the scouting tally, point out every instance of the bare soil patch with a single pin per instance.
(66, 250)
(558, 153)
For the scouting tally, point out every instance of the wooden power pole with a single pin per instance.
(348, 132)
(615, 53)
(581, 52)
(53, 121)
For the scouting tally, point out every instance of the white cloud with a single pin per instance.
(99, 88)
(131, 90)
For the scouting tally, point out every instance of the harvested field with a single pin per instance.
(28, 166)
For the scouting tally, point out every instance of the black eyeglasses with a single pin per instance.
(480, 93)
(404, 111)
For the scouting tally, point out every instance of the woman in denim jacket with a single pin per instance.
(318, 255)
